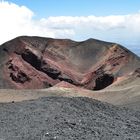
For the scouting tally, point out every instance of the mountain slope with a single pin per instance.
(35, 62)
(67, 118)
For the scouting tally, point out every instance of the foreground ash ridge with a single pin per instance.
(59, 118)
(35, 62)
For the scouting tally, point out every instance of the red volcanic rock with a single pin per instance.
(35, 62)
(64, 84)
(137, 72)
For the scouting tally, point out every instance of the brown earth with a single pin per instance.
(54, 69)
(38, 63)
(40, 67)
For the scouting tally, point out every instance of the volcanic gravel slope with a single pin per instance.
(63, 118)
(36, 62)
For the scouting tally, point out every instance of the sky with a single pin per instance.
(110, 20)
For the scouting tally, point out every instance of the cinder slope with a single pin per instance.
(67, 118)
(35, 62)
(124, 93)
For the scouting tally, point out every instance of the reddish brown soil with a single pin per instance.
(35, 62)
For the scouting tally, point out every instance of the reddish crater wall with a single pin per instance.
(33, 62)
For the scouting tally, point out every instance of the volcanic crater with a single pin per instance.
(37, 62)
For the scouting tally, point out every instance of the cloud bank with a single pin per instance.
(18, 20)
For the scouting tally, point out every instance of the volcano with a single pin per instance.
(68, 90)
(37, 62)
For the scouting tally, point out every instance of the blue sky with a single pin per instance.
(46, 8)
(110, 20)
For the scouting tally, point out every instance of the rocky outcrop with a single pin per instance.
(137, 72)
(35, 62)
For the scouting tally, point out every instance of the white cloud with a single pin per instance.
(122, 28)
(18, 20)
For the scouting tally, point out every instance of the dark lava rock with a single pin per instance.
(60, 118)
